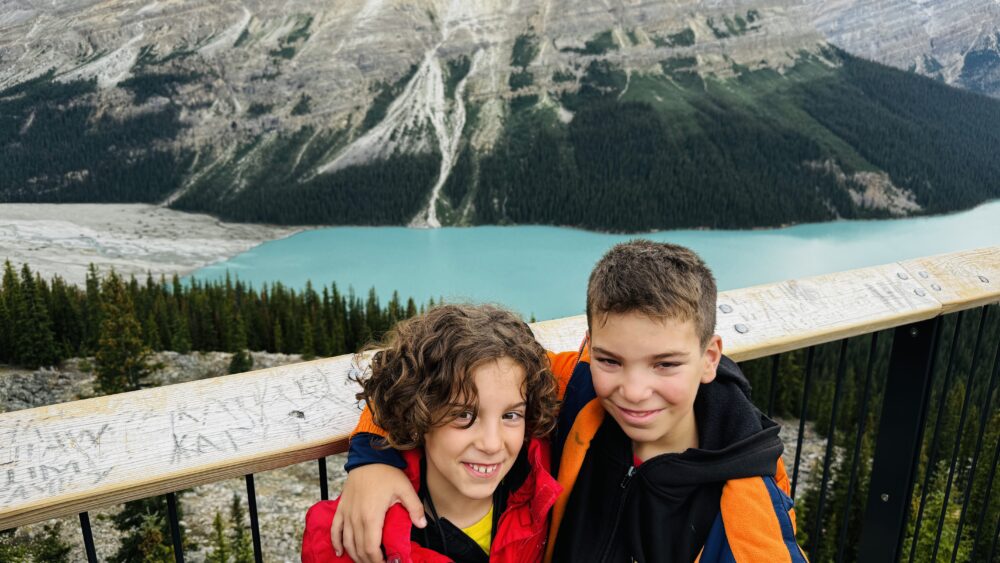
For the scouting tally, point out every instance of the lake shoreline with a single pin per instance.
(135, 239)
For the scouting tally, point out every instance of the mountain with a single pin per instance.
(613, 115)
(955, 41)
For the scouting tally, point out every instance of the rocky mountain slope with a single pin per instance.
(389, 111)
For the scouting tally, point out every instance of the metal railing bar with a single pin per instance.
(961, 427)
(831, 437)
(983, 420)
(324, 487)
(989, 490)
(88, 537)
(772, 389)
(993, 546)
(856, 459)
(932, 451)
(258, 555)
(802, 418)
(175, 527)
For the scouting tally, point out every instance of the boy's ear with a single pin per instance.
(711, 358)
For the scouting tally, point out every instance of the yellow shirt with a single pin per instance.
(481, 531)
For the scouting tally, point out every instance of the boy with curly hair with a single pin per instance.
(464, 392)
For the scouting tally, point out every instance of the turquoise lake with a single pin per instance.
(542, 271)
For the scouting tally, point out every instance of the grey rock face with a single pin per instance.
(955, 40)
(365, 79)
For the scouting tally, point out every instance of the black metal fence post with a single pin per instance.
(175, 528)
(88, 537)
(897, 447)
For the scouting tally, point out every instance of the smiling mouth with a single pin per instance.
(480, 470)
(637, 416)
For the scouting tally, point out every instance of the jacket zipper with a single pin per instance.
(618, 514)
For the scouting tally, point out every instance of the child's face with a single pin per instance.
(468, 463)
(646, 373)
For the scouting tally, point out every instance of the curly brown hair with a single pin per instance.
(425, 365)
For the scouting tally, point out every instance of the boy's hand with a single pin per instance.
(367, 495)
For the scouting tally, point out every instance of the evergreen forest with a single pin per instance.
(45, 321)
(679, 150)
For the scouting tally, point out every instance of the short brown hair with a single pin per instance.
(657, 279)
(426, 366)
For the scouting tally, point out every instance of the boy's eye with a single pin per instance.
(513, 416)
(464, 416)
(607, 361)
(667, 364)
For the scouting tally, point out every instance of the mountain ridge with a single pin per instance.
(240, 102)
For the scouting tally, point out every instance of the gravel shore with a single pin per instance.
(133, 239)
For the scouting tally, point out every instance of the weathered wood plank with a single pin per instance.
(561, 335)
(961, 280)
(769, 319)
(77, 456)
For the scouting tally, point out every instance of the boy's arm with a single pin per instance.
(375, 482)
(562, 365)
(362, 450)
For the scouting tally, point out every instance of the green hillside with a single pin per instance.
(677, 150)
(674, 148)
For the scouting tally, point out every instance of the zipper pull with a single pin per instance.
(628, 476)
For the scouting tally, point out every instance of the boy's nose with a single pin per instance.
(633, 390)
(490, 438)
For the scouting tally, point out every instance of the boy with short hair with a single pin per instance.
(661, 454)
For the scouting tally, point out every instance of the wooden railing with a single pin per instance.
(71, 458)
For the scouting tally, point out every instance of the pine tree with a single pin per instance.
(33, 340)
(373, 315)
(220, 544)
(122, 359)
(10, 295)
(394, 311)
(147, 533)
(12, 548)
(308, 348)
(180, 334)
(48, 546)
(151, 333)
(147, 540)
(279, 340)
(67, 322)
(242, 360)
(242, 548)
(92, 310)
(51, 548)
(929, 529)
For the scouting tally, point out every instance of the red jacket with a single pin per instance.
(519, 538)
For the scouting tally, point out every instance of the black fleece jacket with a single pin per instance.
(663, 509)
